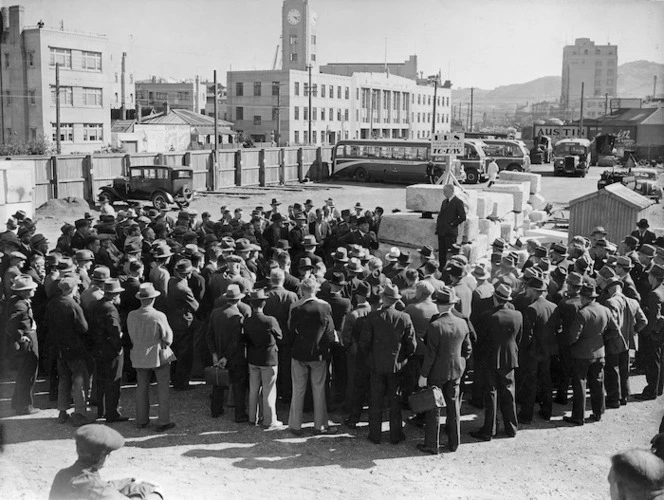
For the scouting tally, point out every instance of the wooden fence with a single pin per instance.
(81, 176)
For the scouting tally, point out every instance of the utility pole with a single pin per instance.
(472, 92)
(216, 131)
(606, 103)
(310, 108)
(434, 79)
(57, 108)
(278, 137)
(583, 84)
(468, 116)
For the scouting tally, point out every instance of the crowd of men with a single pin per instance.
(298, 309)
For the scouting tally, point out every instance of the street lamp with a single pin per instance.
(435, 79)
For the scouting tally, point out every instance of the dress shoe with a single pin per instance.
(425, 449)
(165, 427)
(544, 416)
(327, 431)
(242, 420)
(141, 426)
(594, 418)
(277, 424)
(480, 435)
(644, 396)
(119, 418)
(613, 404)
(351, 424)
(30, 410)
(398, 440)
(77, 420)
(453, 448)
(373, 440)
(63, 417)
(574, 421)
(623, 401)
(296, 432)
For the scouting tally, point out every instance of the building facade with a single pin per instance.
(596, 66)
(158, 93)
(29, 56)
(305, 104)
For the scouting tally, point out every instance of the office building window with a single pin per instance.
(331, 114)
(66, 96)
(418, 119)
(292, 39)
(346, 93)
(331, 88)
(116, 78)
(346, 114)
(598, 63)
(322, 90)
(314, 137)
(314, 113)
(239, 113)
(296, 137)
(31, 58)
(32, 95)
(92, 97)
(257, 119)
(275, 88)
(339, 92)
(313, 39)
(306, 113)
(33, 133)
(609, 82)
(66, 132)
(313, 57)
(322, 114)
(239, 88)
(293, 57)
(91, 61)
(257, 88)
(296, 90)
(61, 57)
(357, 94)
(339, 114)
(93, 132)
(296, 113)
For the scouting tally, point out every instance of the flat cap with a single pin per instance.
(96, 438)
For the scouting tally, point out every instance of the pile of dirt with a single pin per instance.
(68, 208)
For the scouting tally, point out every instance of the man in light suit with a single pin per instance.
(452, 213)
(447, 349)
(499, 334)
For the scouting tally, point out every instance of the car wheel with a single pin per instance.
(361, 175)
(182, 204)
(159, 201)
(472, 176)
(106, 196)
(514, 168)
(187, 192)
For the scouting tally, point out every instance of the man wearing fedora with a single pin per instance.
(498, 337)
(388, 339)
(398, 276)
(631, 319)
(159, 275)
(21, 331)
(262, 334)
(643, 234)
(537, 347)
(68, 332)
(445, 353)
(181, 307)
(150, 333)
(361, 236)
(452, 213)
(651, 338)
(296, 235)
(106, 331)
(481, 302)
(225, 337)
(593, 325)
(623, 267)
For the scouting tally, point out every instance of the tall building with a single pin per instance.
(160, 93)
(90, 77)
(596, 66)
(302, 104)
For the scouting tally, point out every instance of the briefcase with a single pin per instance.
(426, 399)
(216, 376)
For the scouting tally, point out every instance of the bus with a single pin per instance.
(509, 155)
(400, 161)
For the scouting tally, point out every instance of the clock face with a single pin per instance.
(294, 16)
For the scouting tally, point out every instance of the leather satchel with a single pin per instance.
(426, 399)
(216, 376)
(166, 355)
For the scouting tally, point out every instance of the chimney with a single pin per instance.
(654, 86)
(167, 108)
(16, 13)
(139, 112)
(123, 90)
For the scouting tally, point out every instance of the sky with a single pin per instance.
(480, 43)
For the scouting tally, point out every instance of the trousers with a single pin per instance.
(183, 347)
(590, 371)
(651, 351)
(361, 382)
(381, 385)
(316, 372)
(536, 381)
(109, 381)
(451, 393)
(73, 375)
(499, 392)
(28, 363)
(616, 376)
(143, 376)
(263, 379)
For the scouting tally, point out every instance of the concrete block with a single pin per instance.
(506, 230)
(469, 230)
(489, 228)
(526, 212)
(476, 250)
(429, 197)
(494, 203)
(547, 236)
(517, 218)
(408, 229)
(535, 180)
(16, 189)
(538, 216)
(520, 193)
(537, 201)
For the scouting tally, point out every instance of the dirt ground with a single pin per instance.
(210, 458)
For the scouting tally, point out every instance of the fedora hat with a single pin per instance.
(404, 258)
(256, 295)
(391, 292)
(393, 254)
(540, 252)
(283, 245)
(574, 279)
(358, 205)
(615, 280)
(559, 248)
(112, 286)
(426, 251)
(101, 273)
(276, 217)
(536, 283)
(341, 255)
(309, 241)
(657, 271)
(147, 291)
(23, 282)
(643, 224)
(338, 279)
(305, 263)
(631, 241)
(503, 292)
(184, 266)
(363, 289)
(446, 296)
(67, 285)
(559, 273)
(589, 290)
(65, 266)
(624, 262)
(355, 266)
(598, 229)
(499, 243)
(18, 255)
(454, 268)
(233, 293)
(275, 202)
(161, 251)
(481, 271)
(648, 250)
(84, 255)
(508, 260)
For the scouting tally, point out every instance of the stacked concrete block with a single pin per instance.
(477, 249)
(520, 193)
(469, 230)
(409, 229)
(506, 229)
(429, 198)
(538, 216)
(535, 180)
(489, 228)
(517, 218)
(494, 204)
(537, 201)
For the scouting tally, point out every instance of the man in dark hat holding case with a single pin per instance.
(643, 234)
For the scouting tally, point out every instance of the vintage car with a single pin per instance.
(622, 175)
(161, 184)
(571, 157)
(641, 180)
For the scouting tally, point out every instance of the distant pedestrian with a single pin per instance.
(492, 171)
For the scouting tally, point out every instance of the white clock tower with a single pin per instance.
(298, 45)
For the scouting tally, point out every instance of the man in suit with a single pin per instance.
(482, 301)
(447, 349)
(499, 334)
(181, 306)
(643, 234)
(452, 213)
(537, 346)
(388, 337)
(651, 337)
(623, 267)
(361, 236)
(593, 325)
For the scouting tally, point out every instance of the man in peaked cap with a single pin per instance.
(94, 443)
(650, 338)
(498, 336)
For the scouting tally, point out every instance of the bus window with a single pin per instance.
(421, 154)
(371, 151)
(385, 152)
(410, 153)
(397, 153)
(355, 151)
(469, 151)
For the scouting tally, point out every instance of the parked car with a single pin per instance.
(571, 156)
(622, 175)
(161, 184)
(647, 182)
